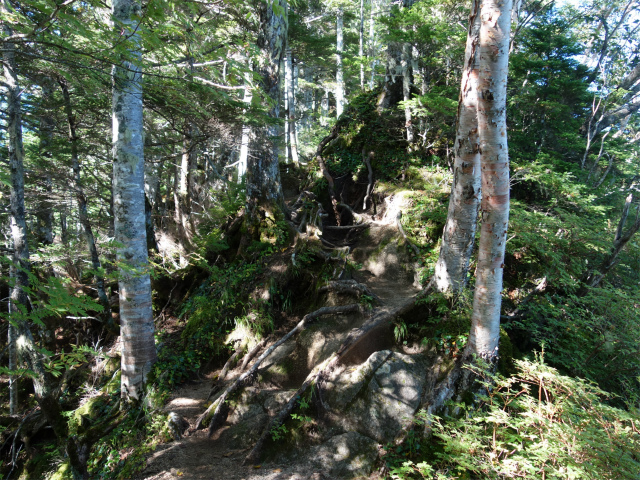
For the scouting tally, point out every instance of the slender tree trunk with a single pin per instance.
(136, 318)
(361, 45)
(264, 189)
(82, 204)
(44, 213)
(291, 104)
(246, 132)
(19, 302)
(339, 72)
(460, 228)
(492, 129)
(372, 44)
(287, 147)
(406, 88)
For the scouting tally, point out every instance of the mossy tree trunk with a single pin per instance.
(264, 189)
(136, 317)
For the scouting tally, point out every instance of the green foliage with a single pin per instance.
(594, 336)
(121, 454)
(535, 424)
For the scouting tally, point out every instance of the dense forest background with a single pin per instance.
(269, 129)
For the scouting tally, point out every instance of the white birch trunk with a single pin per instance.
(286, 108)
(492, 129)
(372, 43)
(136, 318)
(361, 45)
(339, 71)
(291, 107)
(246, 132)
(460, 228)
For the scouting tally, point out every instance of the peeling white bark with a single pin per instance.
(492, 130)
(460, 229)
(339, 71)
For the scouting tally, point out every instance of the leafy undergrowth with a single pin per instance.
(534, 424)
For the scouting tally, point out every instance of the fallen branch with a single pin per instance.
(220, 408)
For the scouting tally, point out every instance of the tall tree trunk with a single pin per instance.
(136, 317)
(246, 132)
(264, 189)
(372, 43)
(44, 212)
(460, 228)
(291, 104)
(339, 71)
(492, 129)
(45, 393)
(406, 88)
(361, 45)
(82, 205)
(19, 302)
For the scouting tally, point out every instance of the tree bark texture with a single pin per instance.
(339, 70)
(492, 129)
(361, 44)
(460, 228)
(136, 318)
(264, 189)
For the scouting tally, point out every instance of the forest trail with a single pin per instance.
(196, 457)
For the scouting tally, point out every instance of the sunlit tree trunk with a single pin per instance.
(291, 104)
(44, 212)
(460, 228)
(372, 43)
(361, 44)
(406, 88)
(264, 189)
(18, 301)
(136, 318)
(339, 71)
(492, 129)
(82, 203)
(246, 132)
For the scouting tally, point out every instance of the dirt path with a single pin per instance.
(197, 457)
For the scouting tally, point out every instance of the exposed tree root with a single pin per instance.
(348, 286)
(367, 197)
(356, 348)
(249, 356)
(347, 227)
(325, 171)
(220, 407)
(404, 235)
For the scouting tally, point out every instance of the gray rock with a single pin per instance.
(345, 456)
(177, 425)
(391, 398)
